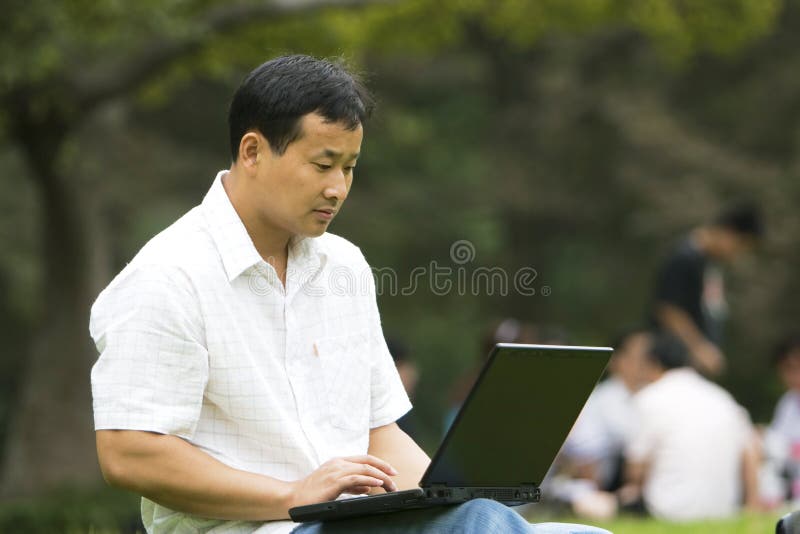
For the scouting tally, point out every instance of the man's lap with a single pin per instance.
(479, 516)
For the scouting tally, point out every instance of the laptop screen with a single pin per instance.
(517, 415)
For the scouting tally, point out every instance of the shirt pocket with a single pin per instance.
(346, 377)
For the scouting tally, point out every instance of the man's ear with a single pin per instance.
(251, 147)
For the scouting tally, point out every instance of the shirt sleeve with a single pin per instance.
(388, 399)
(782, 420)
(153, 364)
(644, 435)
(587, 442)
(678, 282)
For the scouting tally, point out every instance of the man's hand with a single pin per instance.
(705, 356)
(708, 358)
(354, 474)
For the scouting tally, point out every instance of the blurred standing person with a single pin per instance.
(690, 293)
(692, 452)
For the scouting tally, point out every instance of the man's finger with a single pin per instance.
(357, 490)
(353, 481)
(373, 461)
(366, 469)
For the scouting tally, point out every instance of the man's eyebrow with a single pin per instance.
(328, 153)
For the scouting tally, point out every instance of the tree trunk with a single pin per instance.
(50, 439)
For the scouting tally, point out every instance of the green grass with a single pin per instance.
(746, 524)
(107, 511)
(743, 524)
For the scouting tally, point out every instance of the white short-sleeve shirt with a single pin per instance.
(786, 421)
(692, 434)
(601, 431)
(198, 338)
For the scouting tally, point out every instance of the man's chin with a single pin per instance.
(317, 231)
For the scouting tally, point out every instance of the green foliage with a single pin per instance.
(72, 511)
(683, 28)
(44, 39)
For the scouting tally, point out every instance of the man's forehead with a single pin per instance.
(330, 139)
(331, 153)
(793, 356)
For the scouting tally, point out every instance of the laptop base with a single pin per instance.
(410, 500)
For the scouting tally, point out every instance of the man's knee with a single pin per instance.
(486, 515)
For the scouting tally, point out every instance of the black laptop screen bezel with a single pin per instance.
(493, 355)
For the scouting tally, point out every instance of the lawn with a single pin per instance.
(746, 524)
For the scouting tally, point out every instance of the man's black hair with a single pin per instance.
(397, 349)
(273, 98)
(667, 351)
(786, 346)
(744, 219)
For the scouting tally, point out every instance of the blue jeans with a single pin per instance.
(478, 516)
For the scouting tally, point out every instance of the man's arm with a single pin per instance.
(174, 473)
(705, 355)
(394, 446)
(631, 491)
(751, 460)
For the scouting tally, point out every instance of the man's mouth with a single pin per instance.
(325, 213)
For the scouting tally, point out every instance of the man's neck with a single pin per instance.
(271, 243)
(703, 239)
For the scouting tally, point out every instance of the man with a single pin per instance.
(690, 296)
(236, 377)
(594, 447)
(786, 419)
(782, 437)
(691, 455)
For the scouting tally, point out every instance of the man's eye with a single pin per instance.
(322, 166)
(349, 170)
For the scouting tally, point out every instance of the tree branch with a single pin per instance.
(648, 126)
(101, 82)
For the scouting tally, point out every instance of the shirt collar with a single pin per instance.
(682, 373)
(234, 244)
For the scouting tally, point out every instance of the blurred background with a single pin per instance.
(578, 138)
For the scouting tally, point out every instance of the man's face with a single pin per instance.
(789, 370)
(300, 191)
(629, 361)
(728, 245)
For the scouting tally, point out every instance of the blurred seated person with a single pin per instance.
(409, 376)
(508, 330)
(692, 452)
(593, 450)
(782, 437)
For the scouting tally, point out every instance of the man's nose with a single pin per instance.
(337, 188)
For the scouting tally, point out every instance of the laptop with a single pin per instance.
(504, 438)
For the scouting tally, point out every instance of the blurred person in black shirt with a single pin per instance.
(690, 296)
